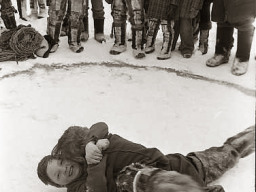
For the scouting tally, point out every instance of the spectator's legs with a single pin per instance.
(224, 43)
(244, 42)
(57, 10)
(75, 22)
(136, 13)
(98, 15)
(119, 10)
(7, 14)
(186, 36)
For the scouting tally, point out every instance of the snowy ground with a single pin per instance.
(178, 105)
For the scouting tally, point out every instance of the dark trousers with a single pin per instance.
(224, 38)
(186, 35)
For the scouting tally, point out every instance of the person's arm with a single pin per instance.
(97, 131)
(93, 152)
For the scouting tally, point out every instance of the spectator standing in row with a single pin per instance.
(230, 14)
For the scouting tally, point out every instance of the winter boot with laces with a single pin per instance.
(167, 41)
(137, 44)
(120, 41)
(153, 27)
(203, 41)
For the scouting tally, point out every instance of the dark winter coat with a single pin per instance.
(190, 8)
(233, 11)
(121, 153)
(163, 10)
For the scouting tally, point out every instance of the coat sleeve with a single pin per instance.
(96, 179)
(97, 131)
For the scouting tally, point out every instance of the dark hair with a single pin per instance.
(41, 171)
(71, 144)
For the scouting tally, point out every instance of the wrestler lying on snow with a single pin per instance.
(95, 160)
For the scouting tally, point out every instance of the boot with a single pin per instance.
(167, 41)
(239, 67)
(64, 28)
(34, 14)
(243, 142)
(203, 41)
(33, 7)
(244, 42)
(99, 30)
(42, 11)
(85, 29)
(151, 35)
(218, 59)
(217, 160)
(73, 41)
(120, 43)
(137, 44)
(224, 43)
(22, 7)
(53, 30)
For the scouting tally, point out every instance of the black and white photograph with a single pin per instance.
(127, 95)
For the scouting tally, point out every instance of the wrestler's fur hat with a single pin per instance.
(140, 178)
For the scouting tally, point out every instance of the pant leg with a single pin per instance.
(205, 16)
(244, 39)
(118, 13)
(224, 38)
(136, 13)
(186, 35)
(75, 21)
(216, 161)
(97, 9)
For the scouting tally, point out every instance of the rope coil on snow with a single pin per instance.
(22, 44)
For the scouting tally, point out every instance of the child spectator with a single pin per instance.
(67, 167)
(239, 14)
(161, 12)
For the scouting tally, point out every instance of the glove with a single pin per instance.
(102, 144)
(93, 154)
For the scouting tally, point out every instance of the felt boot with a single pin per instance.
(153, 27)
(120, 41)
(137, 44)
(99, 30)
(218, 59)
(74, 41)
(165, 52)
(42, 11)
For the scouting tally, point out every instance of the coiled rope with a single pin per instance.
(19, 44)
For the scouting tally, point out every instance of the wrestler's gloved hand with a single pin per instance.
(214, 188)
(93, 154)
(102, 144)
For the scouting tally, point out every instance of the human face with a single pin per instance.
(63, 172)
